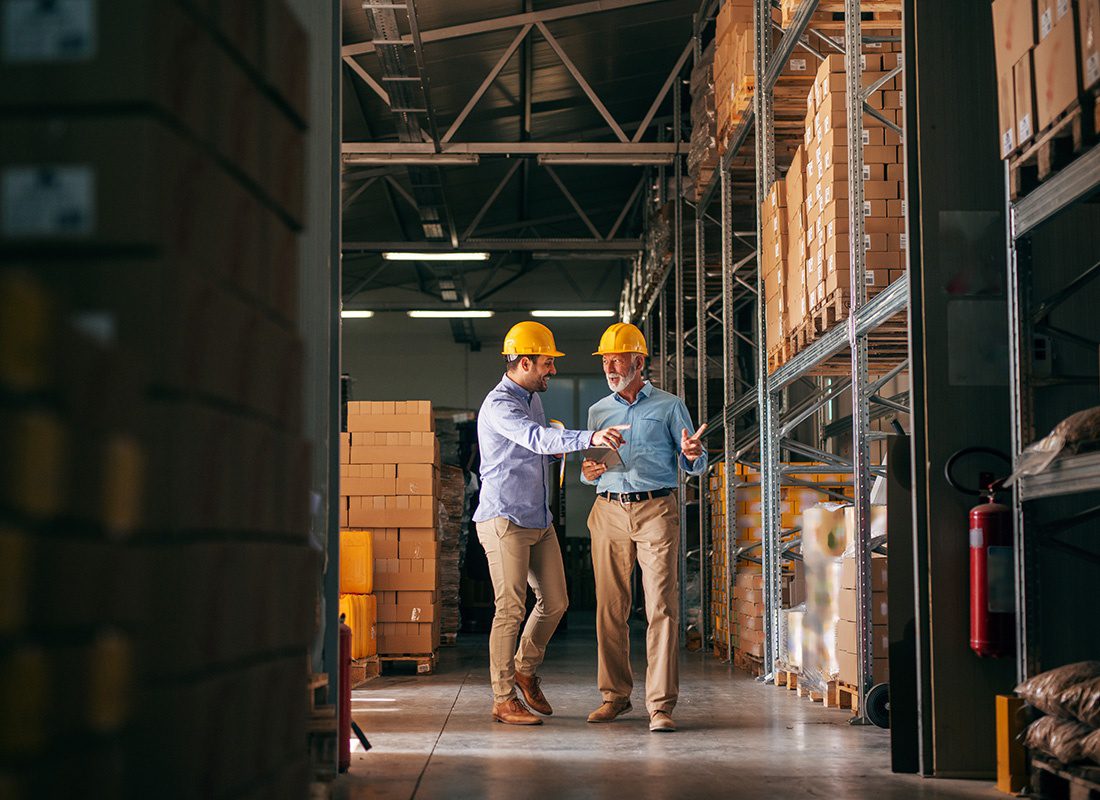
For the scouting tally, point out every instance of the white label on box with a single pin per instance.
(866, 172)
(777, 251)
(869, 277)
(901, 59)
(817, 226)
(866, 137)
(1092, 69)
(903, 208)
(1046, 23)
(47, 201)
(809, 136)
(1063, 8)
(863, 62)
(1025, 127)
(831, 228)
(798, 65)
(37, 31)
(866, 208)
(866, 241)
(829, 193)
(775, 224)
(828, 158)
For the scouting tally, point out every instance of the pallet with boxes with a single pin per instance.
(748, 629)
(807, 253)
(156, 531)
(1048, 76)
(390, 490)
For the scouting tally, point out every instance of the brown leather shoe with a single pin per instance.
(610, 709)
(513, 712)
(661, 722)
(536, 700)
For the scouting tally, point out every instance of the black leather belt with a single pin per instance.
(635, 497)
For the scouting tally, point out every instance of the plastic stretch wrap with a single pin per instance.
(1082, 700)
(790, 642)
(1076, 432)
(1061, 739)
(823, 542)
(1049, 691)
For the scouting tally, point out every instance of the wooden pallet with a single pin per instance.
(424, 663)
(1050, 778)
(786, 678)
(847, 696)
(364, 670)
(448, 639)
(1055, 148)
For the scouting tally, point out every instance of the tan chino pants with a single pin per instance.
(518, 557)
(648, 531)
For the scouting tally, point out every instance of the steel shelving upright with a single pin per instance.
(1070, 475)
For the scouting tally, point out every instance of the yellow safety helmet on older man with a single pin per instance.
(622, 337)
(530, 338)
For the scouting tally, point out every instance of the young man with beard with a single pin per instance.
(513, 518)
(636, 516)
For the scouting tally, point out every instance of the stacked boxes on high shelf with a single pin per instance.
(847, 627)
(1048, 68)
(156, 527)
(774, 253)
(747, 585)
(390, 482)
(702, 156)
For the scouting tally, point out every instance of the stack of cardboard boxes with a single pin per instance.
(1047, 52)
(847, 626)
(747, 584)
(390, 484)
(151, 187)
(703, 147)
(774, 254)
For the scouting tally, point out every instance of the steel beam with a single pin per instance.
(619, 246)
(491, 199)
(573, 202)
(513, 148)
(485, 84)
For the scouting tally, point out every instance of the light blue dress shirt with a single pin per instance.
(652, 450)
(514, 444)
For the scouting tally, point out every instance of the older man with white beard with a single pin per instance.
(636, 517)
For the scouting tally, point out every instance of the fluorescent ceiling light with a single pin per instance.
(434, 256)
(450, 314)
(350, 314)
(601, 312)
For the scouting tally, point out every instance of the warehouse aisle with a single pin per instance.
(433, 739)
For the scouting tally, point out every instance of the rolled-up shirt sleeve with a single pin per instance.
(511, 422)
(678, 421)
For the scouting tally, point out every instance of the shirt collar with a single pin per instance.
(513, 387)
(645, 391)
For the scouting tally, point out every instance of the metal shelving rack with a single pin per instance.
(765, 398)
(1069, 475)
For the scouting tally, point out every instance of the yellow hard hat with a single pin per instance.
(529, 338)
(622, 337)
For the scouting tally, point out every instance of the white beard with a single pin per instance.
(619, 382)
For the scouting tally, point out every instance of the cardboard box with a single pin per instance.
(418, 542)
(401, 511)
(343, 512)
(408, 638)
(405, 574)
(386, 544)
(1089, 22)
(417, 479)
(1023, 101)
(848, 668)
(357, 480)
(418, 447)
(61, 56)
(846, 606)
(1055, 72)
(847, 633)
(1048, 12)
(409, 612)
(403, 415)
(1013, 31)
(878, 573)
(345, 448)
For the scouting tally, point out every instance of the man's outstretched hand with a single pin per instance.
(690, 445)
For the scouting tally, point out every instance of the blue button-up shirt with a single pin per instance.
(514, 444)
(652, 450)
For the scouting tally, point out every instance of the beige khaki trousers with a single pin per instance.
(649, 532)
(518, 557)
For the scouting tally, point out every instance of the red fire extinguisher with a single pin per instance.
(992, 578)
(343, 709)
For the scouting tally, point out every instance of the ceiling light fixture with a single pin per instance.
(606, 159)
(450, 314)
(435, 256)
(356, 314)
(549, 312)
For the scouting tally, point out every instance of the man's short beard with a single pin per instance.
(623, 380)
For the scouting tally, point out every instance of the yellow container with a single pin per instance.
(356, 562)
(361, 615)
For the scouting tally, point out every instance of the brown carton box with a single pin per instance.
(847, 633)
(345, 448)
(408, 638)
(408, 612)
(1055, 74)
(878, 573)
(1013, 31)
(418, 447)
(385, 544)
(846, 606)
(418, 549)
(417, 479)
(405, 574)
(1023, 101)
(1048, 12)
(343, 501)
(848, 664)
(1089, 23)
(402, 511)
(357, 480)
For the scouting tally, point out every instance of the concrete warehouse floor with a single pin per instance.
(432, 737)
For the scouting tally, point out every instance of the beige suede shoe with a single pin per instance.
(661, 722)
(610, 709)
